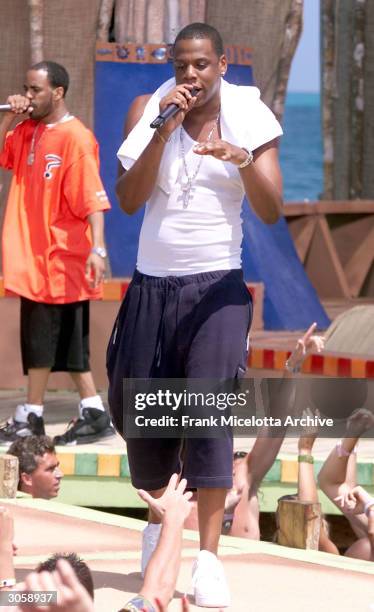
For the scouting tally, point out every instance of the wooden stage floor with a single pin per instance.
(262, 576)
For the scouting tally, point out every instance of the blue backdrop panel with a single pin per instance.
(269, 255)
(116, 87)
(268, 251)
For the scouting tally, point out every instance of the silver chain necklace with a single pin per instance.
(188, 185)
(31, 155)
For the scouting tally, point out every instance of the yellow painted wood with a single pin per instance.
(108, 465)
(289, 471)
(67, 463)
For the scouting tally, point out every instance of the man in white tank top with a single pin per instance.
(187, 312)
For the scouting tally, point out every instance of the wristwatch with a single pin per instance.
(100, 251)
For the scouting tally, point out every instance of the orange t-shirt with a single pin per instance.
(46, 235)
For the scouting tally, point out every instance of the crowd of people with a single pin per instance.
(39, 475)
(187, 312)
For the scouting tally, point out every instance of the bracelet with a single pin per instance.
(293, 369)
(7, 582)
(248, 160)
(368, 505)
(163, 140)
(100, 251)
(305, 459)
(342, 452)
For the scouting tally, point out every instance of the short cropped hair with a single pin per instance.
(79, 566)
(201, 31)
(58, 76)
(28, 449)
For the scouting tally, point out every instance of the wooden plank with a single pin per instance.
(328, 206)
(328, 64)
(36, 30)
(357, 99)
(121, 20)
(360, 263)
(348, 232)
(342, 121)
(105, 20)
(302, 230)
(299, 524)
(292, 28)
(8, 476)
(323, 265)
(368, 132)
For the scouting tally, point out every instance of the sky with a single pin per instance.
(305, 69)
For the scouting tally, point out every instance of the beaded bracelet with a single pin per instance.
(248, 160)
(305, 459)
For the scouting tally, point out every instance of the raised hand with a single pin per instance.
(355, 501)
(220, 149)
(173, 502)
(307, 344)
(19, 104)
(361, 420)
(95, 270)
(181, 96)
(71, 594)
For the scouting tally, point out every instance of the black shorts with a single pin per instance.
(193, 326)
(55, 336)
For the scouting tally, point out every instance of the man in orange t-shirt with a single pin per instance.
(53, 248)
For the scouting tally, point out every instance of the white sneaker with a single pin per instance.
(150, 537)
(209, 582)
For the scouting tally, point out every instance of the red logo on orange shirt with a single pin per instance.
(53, 161)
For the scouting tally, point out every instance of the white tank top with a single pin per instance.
(204, 236)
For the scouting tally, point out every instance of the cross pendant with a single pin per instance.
(186, 193)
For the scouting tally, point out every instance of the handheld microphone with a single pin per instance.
(170, 111)
(5, 107)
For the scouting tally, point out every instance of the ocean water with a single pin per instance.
(301, 148)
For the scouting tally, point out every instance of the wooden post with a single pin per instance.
(292, 32)
(342, 95)
(36, 30)
(172, 21)
(8, 476)
(105, 19)
(155, 21)
(198, 10)
(357, 102)
(184, 13)
(121, 19)
(139, 20)
(368, 130)
(327, 88)
(299, 524)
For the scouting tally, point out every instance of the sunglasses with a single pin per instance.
(240, 455)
